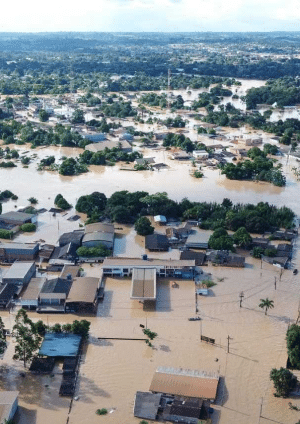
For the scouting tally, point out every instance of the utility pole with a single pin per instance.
(298, 317)
(260, 410)
(200, 322)
(228, 340)
(281, 271)
(241, 298)
(275, 283)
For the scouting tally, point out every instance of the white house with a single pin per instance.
(200, 154)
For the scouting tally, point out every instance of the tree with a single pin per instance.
(81, 327)
(33, 200)
(242, 238)
(220, 240)
(28, 228)
(2, 337)
(293, 345)
(27, 338)
(43, 115)
(267, 304)
(143, 226)
(284, 381)
(77, 117)
(61, 202)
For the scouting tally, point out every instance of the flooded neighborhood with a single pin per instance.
(149, 248)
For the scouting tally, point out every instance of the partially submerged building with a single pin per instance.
(83, 295)
(197, 240)
(143, 286)
(99, 234)
(10, 252)
(53, 295)
(157, 242)
(20, 273)
(120, 266)
(183, 382)
(8, 405)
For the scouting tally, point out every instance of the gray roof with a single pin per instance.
(157, 241)
(57, 285)
(98, 236)
(18, 270)
(110, 144)
(16, 216)
(95, 137)
(27, 246)
(59, 344)
(146, 405)
(99, 227)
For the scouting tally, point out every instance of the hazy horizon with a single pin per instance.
(151, 16)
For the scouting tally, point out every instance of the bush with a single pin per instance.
(284, 381)
(198, 174)
(90, 252)
(293, 345)
(5, 234)
(33, 200)
(102, 411)
(28, 228)
(143, 226)
(61, 202)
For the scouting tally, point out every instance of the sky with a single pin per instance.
(150, 15)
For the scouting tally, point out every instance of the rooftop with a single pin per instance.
(143, 284)
(23, 246)
(18, 270)
(189, 383)
(84, 289)
(121, 261)
(98, 236)
(60, 345)
(57, 285)
(146, 405)
(16, 216)
(99, 227)
(33, 289)
(7, 399)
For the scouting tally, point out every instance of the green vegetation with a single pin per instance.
(220, 240)
(93, 252)
(8, 164)
(284, 381)
(26, 337)
(177, 122)
(3, 343)
(283, 91)
(259, 168)
(266, 304)
(242, 238)
(130, 206)
(47, 162)
(107, 156)
(208, 283)
(119, 109)
(71, 166)
(77, 327)
(293, 345)
(28, 228)
(151, 336)
(153, 99)
(102, 411)
(61, 202)
(7, 194)
(43, 115)
(143, 226)
(257, 252)
(33, 200)
(5, 234)
(198, 174)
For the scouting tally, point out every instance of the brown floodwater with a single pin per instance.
(113, 370)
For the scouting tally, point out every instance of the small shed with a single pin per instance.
(157, 242)
(160, 219)
(60, 345)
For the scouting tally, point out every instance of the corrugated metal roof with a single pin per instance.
(84, 289)
(18, 270)
(60, 344)
(98, 236)
(189, 383)
(99, 227)
(7, 399)
(143, 283)
(121, 261)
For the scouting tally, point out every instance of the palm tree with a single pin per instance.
(267, 304)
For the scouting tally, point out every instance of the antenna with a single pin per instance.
(169, 87)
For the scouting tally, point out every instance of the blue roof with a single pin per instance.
(60, 344)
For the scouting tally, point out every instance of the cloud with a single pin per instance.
(150, 15)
